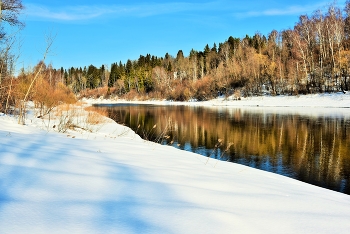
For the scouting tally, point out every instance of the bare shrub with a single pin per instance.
(203, 89)
(20, 91)
(95, 93)
(7, 99)
(157, 95)
(65, 123)
(75, 117)
(47, 97)
(132, 95)
(66, 114)
(181, 92)
(237, 95)
(110, 92)
(120, 87)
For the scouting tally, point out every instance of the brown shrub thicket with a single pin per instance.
(180, 92)
(157, 95)
(47, 97)
(132, 95)
(204, 89)
(40, 88)
(101, 92)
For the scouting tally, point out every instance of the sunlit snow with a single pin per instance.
(112, 181)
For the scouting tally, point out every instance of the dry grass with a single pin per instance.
(100, 111)
(63, 107)
(71, 116)
(80, 103)
(96, 115)
(95, 118)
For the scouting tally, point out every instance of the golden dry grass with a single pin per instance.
(80, 103)
(62, 108)
(96, 115)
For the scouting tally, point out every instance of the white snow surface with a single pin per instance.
(112, 181)
(325, 100)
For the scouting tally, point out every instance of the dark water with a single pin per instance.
(314, 149)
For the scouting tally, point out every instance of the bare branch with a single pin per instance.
(10, 10)
(49, 41)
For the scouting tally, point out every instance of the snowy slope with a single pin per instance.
(114, 182)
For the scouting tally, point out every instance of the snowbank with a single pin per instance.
(325, 100)
(112, 181)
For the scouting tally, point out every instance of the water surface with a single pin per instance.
(314, 148)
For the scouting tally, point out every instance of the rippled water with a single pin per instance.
(311, 148)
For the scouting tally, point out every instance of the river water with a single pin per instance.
(308, 145)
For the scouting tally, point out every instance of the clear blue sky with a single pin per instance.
(105, 31)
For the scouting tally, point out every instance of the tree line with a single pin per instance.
(313, 57)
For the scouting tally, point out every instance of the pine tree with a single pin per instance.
(205, 59)
(180, 55)
(113, 75)
(214, 49)
(65, 77)
(169, 67)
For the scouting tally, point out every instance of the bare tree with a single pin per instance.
(338, 37)
(22, 107)
(9, 10)
(319, 22)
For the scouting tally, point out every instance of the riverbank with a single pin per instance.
(325, 100)
(112, 181)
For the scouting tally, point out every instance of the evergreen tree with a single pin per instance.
(113, 75)
(129, 75)
(102, 75)
(169, 67)
(93, 77)
(62, 75)
(205, 59)
(234, 43)
(180, 55)
(214, 49)
(65, 77)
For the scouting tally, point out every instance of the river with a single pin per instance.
(314, 148)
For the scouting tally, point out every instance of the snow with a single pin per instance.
(112, 181)
(325, 100)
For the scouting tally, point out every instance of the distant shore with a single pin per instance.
(325, 100)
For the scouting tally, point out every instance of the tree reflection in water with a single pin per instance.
(315, 150)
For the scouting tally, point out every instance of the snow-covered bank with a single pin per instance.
(114, 182)
(325, 100)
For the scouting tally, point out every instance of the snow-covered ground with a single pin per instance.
(325, 100)
(112, 181)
